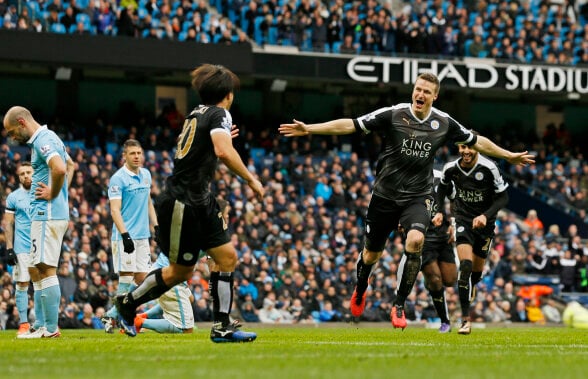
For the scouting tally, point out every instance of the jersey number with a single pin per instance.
(486, 246)
(186, 138)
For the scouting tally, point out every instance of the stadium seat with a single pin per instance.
(182, 36)
(272, 36)
(142, 12)
(85, 19)
(257, 33)
(34, 9)
(187, 25)
(58, 28)
(112, 148)
(257, 154)
(466, 47)
(244, 21)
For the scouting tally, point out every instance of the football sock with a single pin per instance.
(476, 277)
(363, 275)
(161, 325)
(50, 297)
(222, 296)
(39, 315)
(152, 287)
(22, 302)
(124, 284)
(464, 286)
(155, 312)
(410, 272)
(440, 304)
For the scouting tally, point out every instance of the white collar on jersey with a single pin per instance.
(41, 128)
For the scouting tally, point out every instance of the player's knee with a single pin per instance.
(414, 241)
(465, 270)
(434, 283)
(227, 261)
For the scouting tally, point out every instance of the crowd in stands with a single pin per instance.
(297, 250)
(527, 31)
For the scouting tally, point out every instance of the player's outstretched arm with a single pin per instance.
(334, 127)
(487, 147)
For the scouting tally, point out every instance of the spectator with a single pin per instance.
(532, 222)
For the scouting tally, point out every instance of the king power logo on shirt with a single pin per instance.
(472, 73)
(470, 196)
(412, 147)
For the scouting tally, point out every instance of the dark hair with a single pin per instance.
(222, 204)
(213, 83)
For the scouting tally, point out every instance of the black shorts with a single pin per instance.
(479, 239)
(437, 251)
(185, 230)
(383, 217)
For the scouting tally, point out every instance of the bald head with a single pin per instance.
(16, 113)
(19, 123)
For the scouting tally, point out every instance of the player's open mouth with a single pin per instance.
(420, 103)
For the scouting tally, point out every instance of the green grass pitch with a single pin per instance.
(333, 351)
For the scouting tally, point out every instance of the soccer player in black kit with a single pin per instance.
(480, 192)
(402, 191)
(438, 265)
(190, 219)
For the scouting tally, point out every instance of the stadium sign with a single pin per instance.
(471, 73)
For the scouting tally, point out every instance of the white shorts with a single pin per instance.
(46, 239)
(177, 308)
(138, 261)
(21, 270)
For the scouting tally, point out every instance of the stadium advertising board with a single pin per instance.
(470, 73)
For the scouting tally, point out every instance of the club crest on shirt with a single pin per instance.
(45, 149)
(187, 256)
(434, 124)
(479, 176)
(460, 229)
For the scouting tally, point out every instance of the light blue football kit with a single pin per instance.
(49, 219)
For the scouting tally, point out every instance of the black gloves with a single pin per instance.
(128, 243)
(156, 234)
(11, 257)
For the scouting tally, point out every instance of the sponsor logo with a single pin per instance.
(406, 120)
(470, 196)
(45, 149)
(412, 147)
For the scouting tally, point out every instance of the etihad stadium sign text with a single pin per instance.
(471, 74)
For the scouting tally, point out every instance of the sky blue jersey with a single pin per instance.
(161, 262)
(19, 203)
(45, 144)
(133, 190)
